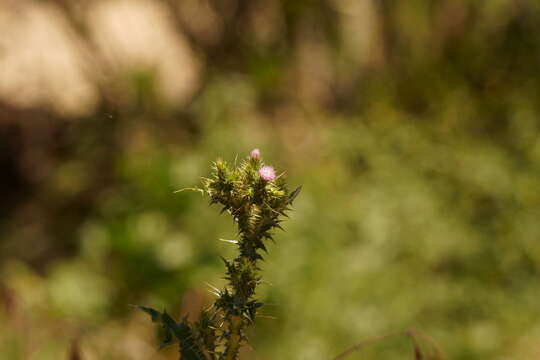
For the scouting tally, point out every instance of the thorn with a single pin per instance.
(294, 194)
(189, 189)
(266, 316)
(229, 241)
(212, 287)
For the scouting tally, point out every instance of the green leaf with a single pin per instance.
(169, 323)
(167, 339)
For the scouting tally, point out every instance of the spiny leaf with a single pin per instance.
(167, 339)
(169, 323)
(154, 314)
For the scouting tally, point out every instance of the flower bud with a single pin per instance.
(255, 154)
(267, 173)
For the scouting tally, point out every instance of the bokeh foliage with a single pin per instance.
(413, 127)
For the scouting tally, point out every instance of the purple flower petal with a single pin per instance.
(267, 173)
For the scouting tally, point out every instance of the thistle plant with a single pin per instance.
(257, 200)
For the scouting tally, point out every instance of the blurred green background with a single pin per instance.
(412, 125)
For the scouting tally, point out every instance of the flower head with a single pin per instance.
(267, 173)
(255, 154)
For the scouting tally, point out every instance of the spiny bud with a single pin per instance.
(255, 154)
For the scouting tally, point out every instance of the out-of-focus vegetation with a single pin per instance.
(412, 125)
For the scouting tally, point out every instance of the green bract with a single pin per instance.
(257, 206)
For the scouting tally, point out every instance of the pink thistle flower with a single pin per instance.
(267, 173)
(255, 154)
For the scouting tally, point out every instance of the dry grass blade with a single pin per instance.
(365, 343)
(418, 354)
(74, 351)
(438, 353)
(414, 335)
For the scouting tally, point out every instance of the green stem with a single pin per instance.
(235, 337)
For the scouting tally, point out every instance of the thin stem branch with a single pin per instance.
(367, 342)
(411, 333)
(438, 350)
